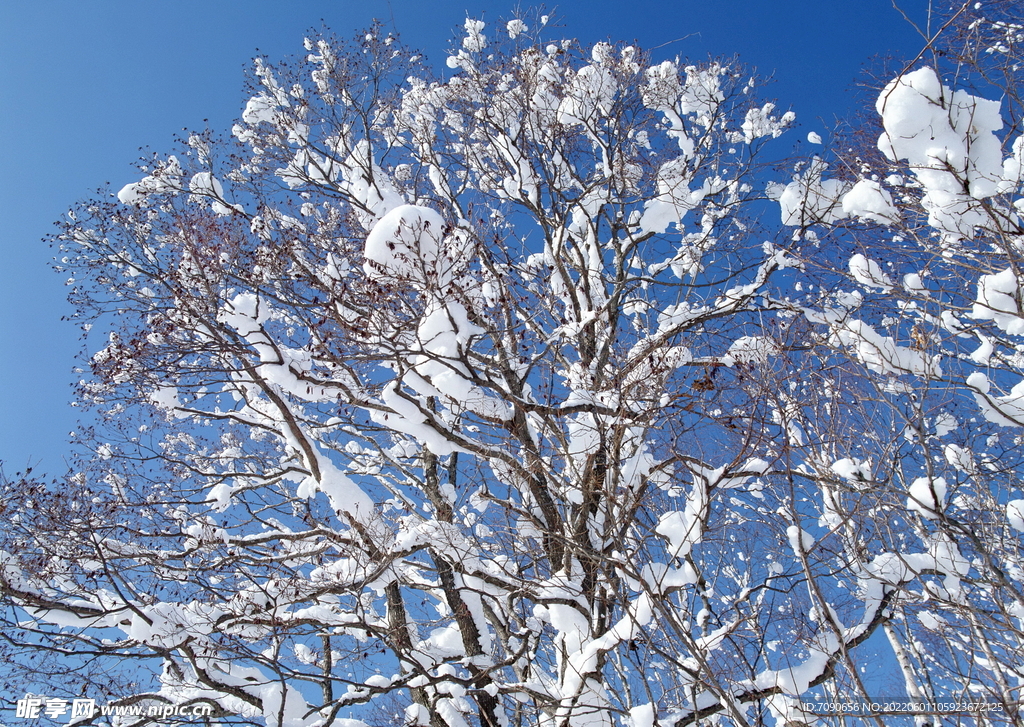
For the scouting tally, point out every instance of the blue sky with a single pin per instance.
(84, 86)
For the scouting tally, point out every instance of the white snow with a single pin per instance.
(685, 528)
(259, 109)
(853, 470)
(404, 244)
(1013, 167)
(869, 273)
(881, 353)
(753, 350)
(642, 715)
(675, 198)
(589, 94)
(406, 416)
(516, 28)
(913, 283)
(927, 496)
(998, 300)
(1015, 514)
(960, 458)
(868, 200)
(759, 122)
(945, 423)
(166, 398)
(165, 179)
(443, 336)
(800, 540)
(1007, 411)
(475, 41)
(947, 137)
(696, 99)
(205, 187)
(810, 198)
(369, 186)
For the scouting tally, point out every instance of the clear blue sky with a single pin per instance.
(84, 85)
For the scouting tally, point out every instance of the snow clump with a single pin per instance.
(948, 139)
(404, 244)
(516, 28)
(166, 178)
(927, 496)
(1015, 514)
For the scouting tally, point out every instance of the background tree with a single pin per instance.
(925, 227)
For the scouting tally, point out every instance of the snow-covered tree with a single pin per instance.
(925, 492)
(503, 398)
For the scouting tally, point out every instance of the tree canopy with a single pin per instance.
(535, 393)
